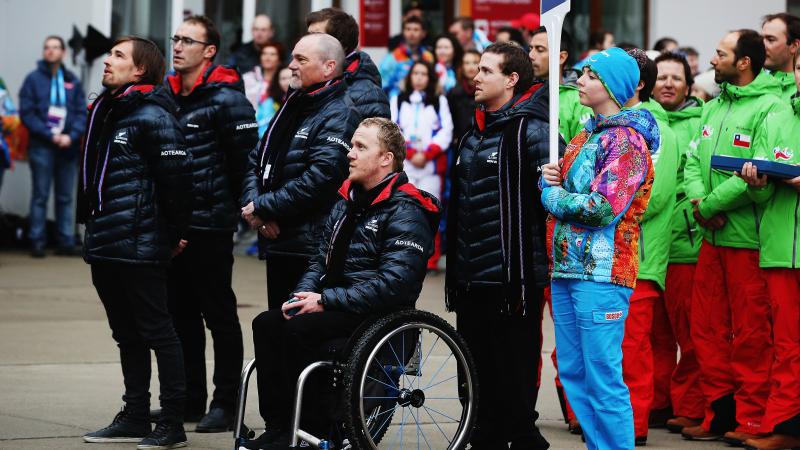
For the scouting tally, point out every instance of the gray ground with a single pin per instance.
(60, 374)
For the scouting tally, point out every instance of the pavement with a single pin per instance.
(59, 368)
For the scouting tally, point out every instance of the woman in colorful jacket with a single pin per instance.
(596, 197)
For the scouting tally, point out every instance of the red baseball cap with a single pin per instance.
(529, 21)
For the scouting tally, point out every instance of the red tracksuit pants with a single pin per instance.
(637, 352)
(784, 398)
(730, 328)
(665, 355)
(685, 391)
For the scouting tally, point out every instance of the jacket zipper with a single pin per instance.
(641, 243)
(756, 219)
(469, 191)
(688, 228)
(794, 243)
(714, 152)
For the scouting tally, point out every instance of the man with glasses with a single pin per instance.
(52, 107)
(219, 125)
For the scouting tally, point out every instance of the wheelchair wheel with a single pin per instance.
(410, 380)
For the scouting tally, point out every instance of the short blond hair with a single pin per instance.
(390, 138)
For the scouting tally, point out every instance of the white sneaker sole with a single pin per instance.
(101, 440)
(162, 447)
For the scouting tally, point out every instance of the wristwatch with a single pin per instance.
(321, 301)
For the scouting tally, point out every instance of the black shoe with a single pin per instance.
(658, 417)
(166, 435)
(124, 428)
(640, 441)
(270, 438)
(188, 416)
(534, 441)
(216, 421)
(69, 251)
(38, 252)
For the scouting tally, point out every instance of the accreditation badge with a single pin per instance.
(56, 118)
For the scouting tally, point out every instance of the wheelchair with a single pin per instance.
(406, 378)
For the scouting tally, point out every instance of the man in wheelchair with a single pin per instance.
(372, 260)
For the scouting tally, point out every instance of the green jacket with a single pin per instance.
(655, 236)
(730, 123)
(686, 234)
(786, 80)
(571, 114)
(780, 223)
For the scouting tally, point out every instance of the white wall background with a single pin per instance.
(702, 23)
(23, 27)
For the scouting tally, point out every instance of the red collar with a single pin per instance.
(407, 188)
(209, 75)
(480, 114)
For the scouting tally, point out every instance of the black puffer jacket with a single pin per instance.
(245, 57)
(135, 190)
(388, 253)
(314, 167)
(364, 86)
(477, 261)
(220, 129)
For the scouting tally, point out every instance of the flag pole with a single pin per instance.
(552, 13)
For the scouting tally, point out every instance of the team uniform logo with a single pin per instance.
(372, 225)
(782, 154)
(301, 134)
(707, 131)
(741, 140)
(121, 138)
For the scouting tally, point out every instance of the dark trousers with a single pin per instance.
(283, 274)
(283, 349)
(135, 299)
(506, 353)
(200, 289)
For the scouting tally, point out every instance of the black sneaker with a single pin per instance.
(269, 438)
(38, 251)
(123, 428)
(188, 416)
(217, 420)
(166, 435)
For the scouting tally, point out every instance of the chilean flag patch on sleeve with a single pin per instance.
(741, 140)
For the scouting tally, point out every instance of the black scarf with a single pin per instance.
(358, 203)
(275, 143)
(516, 213)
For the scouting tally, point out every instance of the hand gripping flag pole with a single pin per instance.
(552, 13)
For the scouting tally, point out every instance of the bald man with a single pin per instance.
(248, 54)
(300, 163)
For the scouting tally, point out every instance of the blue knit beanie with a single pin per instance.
(618, 72)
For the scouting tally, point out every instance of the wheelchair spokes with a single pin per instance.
(410, 393)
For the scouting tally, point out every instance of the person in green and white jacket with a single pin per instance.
(779, 248)
(730, 307)
(781, 33)
(641, 361)
(673, 85)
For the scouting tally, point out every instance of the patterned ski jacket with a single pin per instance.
(607, 173)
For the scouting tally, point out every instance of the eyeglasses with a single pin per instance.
(186, 41)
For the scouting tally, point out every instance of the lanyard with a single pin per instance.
(58, 95)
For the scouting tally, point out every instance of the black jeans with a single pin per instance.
(200, 288)
(135, 299)
(283, 274)
(283, 349)
(506, 353)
